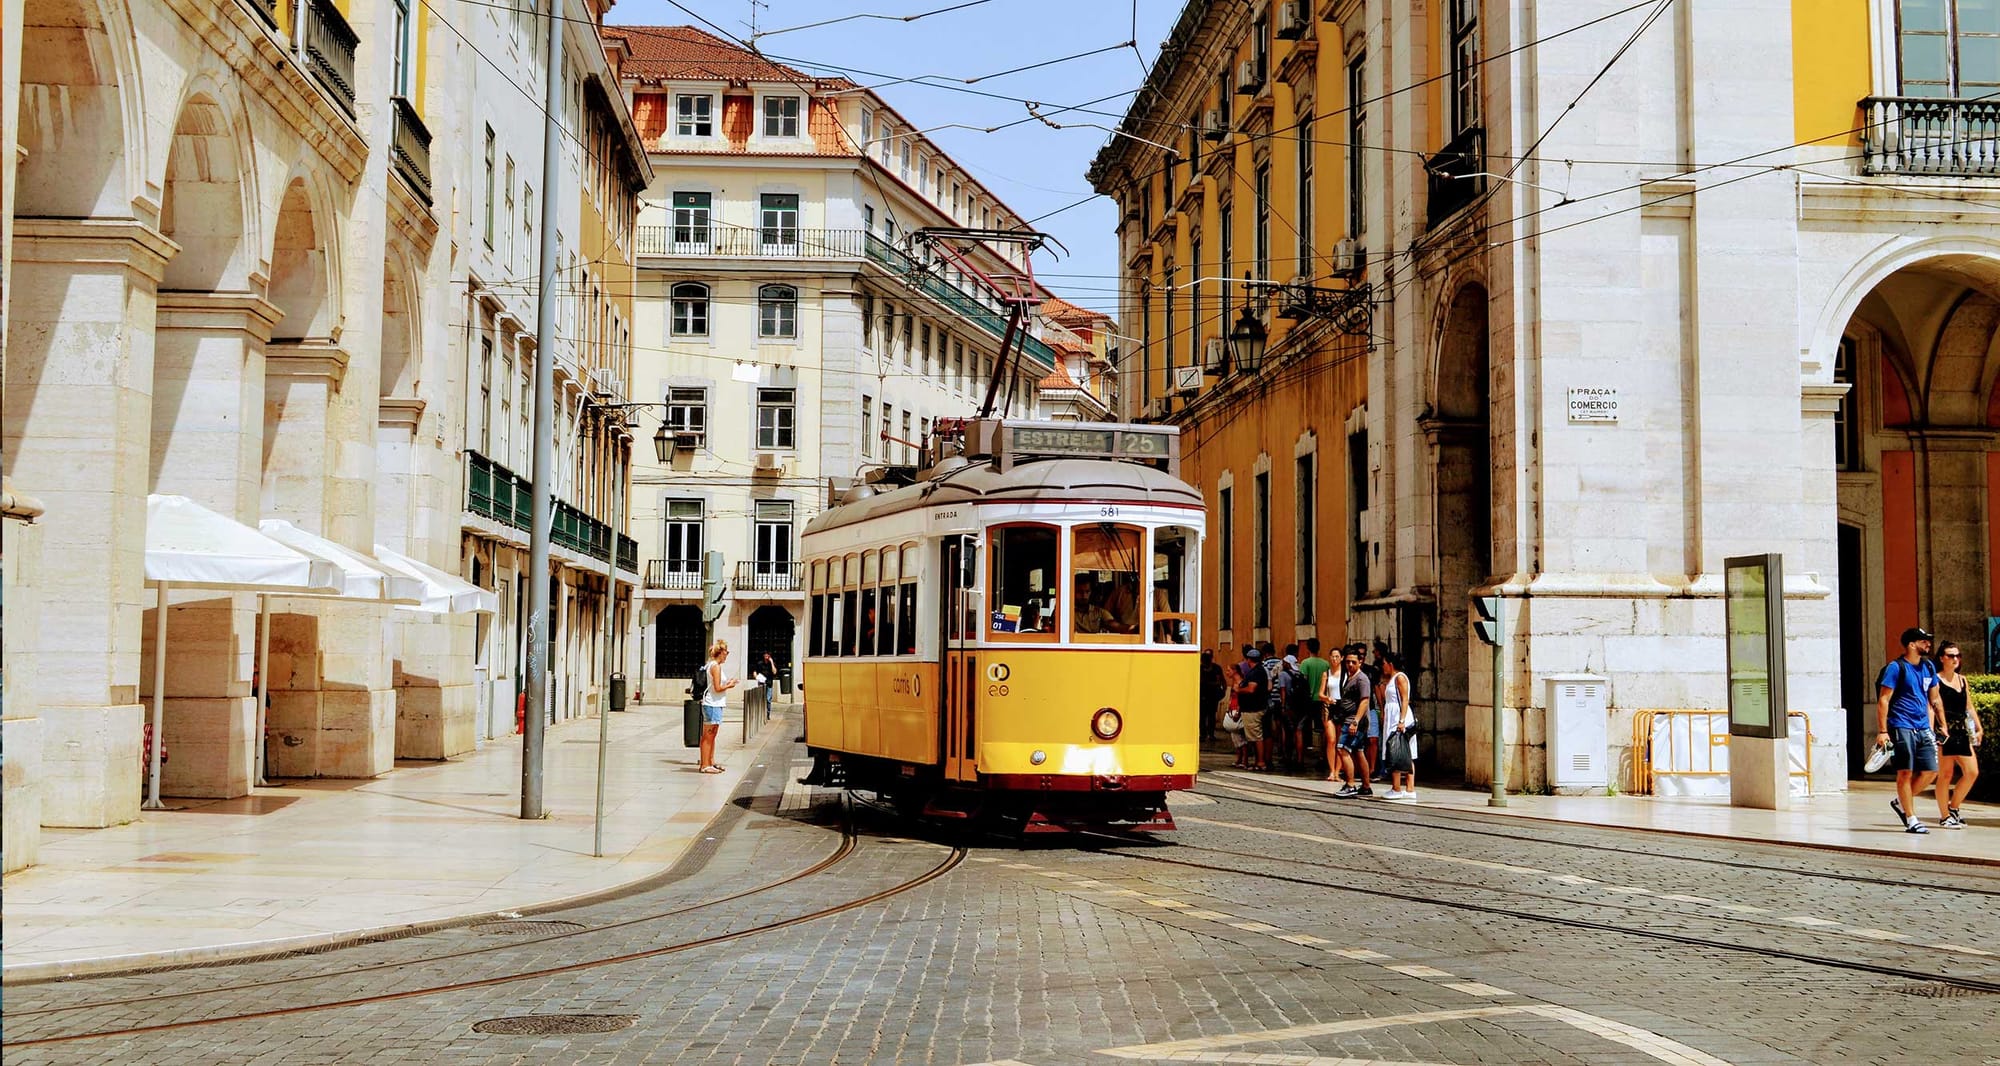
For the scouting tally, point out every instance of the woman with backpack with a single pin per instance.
(714, 697)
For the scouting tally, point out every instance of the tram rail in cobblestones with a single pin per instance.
(848, 838)
(1966, 983)
(1475, 825)
(953, 857)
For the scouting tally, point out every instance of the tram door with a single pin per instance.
(959, 661)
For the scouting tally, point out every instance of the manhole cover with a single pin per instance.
(1941, 991)
(525, 928)
(555, 1024)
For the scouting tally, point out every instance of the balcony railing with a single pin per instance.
(330, 45)
(1926, 135)
(410, 148)
(1454, 175)
(678, 574)
(719, 241)
(926, 281)
(266, 10)
(495, 492)
(764, 576)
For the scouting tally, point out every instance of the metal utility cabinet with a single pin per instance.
(1578, 733)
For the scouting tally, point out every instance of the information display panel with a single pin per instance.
(1754, 617)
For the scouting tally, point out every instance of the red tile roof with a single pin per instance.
(664, 53)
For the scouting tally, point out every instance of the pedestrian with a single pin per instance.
(1214, 689)
(1348, 723)
(1372, 744)
(1958, 758)
(1313, 672)
(1253, 692)
(1399, 726)
(766, 672)
(1232, 724)
(1906, 705)
(714, 697)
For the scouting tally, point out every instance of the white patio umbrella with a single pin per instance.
(362, 577)
(443, 593)
(193, 547)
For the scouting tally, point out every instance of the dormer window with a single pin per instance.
(694, 115)
(781, 116)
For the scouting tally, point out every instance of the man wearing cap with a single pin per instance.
(1908, 704)
(1253, 697)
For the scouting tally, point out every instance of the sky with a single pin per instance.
(1032, 167)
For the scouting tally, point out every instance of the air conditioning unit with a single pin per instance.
(1187, 380)
(1349, 258)
(769, 462)
(1248, 78)
(1292, 20)
(688, 440)
(604, 383)
(1213, 351)
(1213, 126)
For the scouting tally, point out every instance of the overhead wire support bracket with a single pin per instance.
(1017, 291)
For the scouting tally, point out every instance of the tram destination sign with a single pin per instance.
(1089, 441)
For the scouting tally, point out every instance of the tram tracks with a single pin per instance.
(952, 859)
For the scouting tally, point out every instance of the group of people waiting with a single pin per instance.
(1282, 711)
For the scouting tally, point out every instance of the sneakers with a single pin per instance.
(1346, 792)
(1364, 790)
(1915, 826)
(1902, 815)
(1952, 821)
(1400, 794)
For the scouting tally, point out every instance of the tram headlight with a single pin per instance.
(1107, 723)
(1038, 757)
(1167, 757)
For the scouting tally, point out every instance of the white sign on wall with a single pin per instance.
(1593, 404)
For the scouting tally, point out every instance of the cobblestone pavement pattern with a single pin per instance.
(1273, 927)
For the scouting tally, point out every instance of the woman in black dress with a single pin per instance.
(1958, 766)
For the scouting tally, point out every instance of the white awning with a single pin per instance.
(362, 576)
(443, 593)
(189, 545)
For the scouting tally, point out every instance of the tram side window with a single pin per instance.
(816, 628)
(1104, 582)
(886, 623)
(1021, 598)
(868, 622)
(1176, 551)
(849, 608)
(906, 618)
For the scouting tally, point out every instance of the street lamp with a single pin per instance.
(663, 444)
(1246, 342)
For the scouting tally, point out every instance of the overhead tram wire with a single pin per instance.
(867, 15)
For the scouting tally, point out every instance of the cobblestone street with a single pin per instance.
(1274, 926)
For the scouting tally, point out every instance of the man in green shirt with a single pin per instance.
(1315, 670)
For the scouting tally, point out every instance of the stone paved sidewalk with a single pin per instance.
(311, 862)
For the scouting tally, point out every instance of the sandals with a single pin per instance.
(711, 769)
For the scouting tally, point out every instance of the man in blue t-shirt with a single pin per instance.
(1908, 704)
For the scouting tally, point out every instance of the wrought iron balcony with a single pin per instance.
(410, 148)
(1455, 180)
(717, 241)
(927, 281)
(1928, 135)
(768, 576)
(681, 575)
(493, 491)
(330, 45)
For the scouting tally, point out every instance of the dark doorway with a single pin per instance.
(1460, 430)
(1856, 694)
(771, 629)
(677, 637)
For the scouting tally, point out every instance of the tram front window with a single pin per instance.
(1174, 581)
(1104, 576)
(1023, 594)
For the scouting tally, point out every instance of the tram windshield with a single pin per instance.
(1104, 581)
(1174, 581)
(1026, 560)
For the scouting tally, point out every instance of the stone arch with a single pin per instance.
(304, 276)
(1968, 256)
(208, 193)
(1458, 424)
(82, 127)
(401, 327)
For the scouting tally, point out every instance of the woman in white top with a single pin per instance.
(713, 699)
(1399, 742)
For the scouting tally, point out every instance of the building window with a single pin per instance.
(1357, 141)
(507, 215)
(687, 413)
(1846, 427)
(906, 160)
(778, 220)
(400, 41)
(1949, 48)
(1465, 64)
(781, 116)
(924, 347)
(483, 434)
(777, 311)
(683, 543)
(694, 116)
(1306, 197)
(691, 217)
(888, 430)
(909, 446)
(1260, 545)
(958, 363)
(867, 423)
(1173, 334)
(1261, 235)
(1223, 91)
(867, 130)
(690, 301)
(1260, 47)
(774, 538)
(868, 218)
(487, 228)
(775, 415)
(1225, 571)
(1304, 521)
(1225, 225)
(1194, 297)
(1145, 342)
(1357, 502)
(909, 339)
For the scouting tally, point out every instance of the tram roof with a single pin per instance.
(1049, 479)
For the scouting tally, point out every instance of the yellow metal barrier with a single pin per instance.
(1691, 737)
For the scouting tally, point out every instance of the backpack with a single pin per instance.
(698, 688)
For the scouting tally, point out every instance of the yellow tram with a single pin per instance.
(1011, 634)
